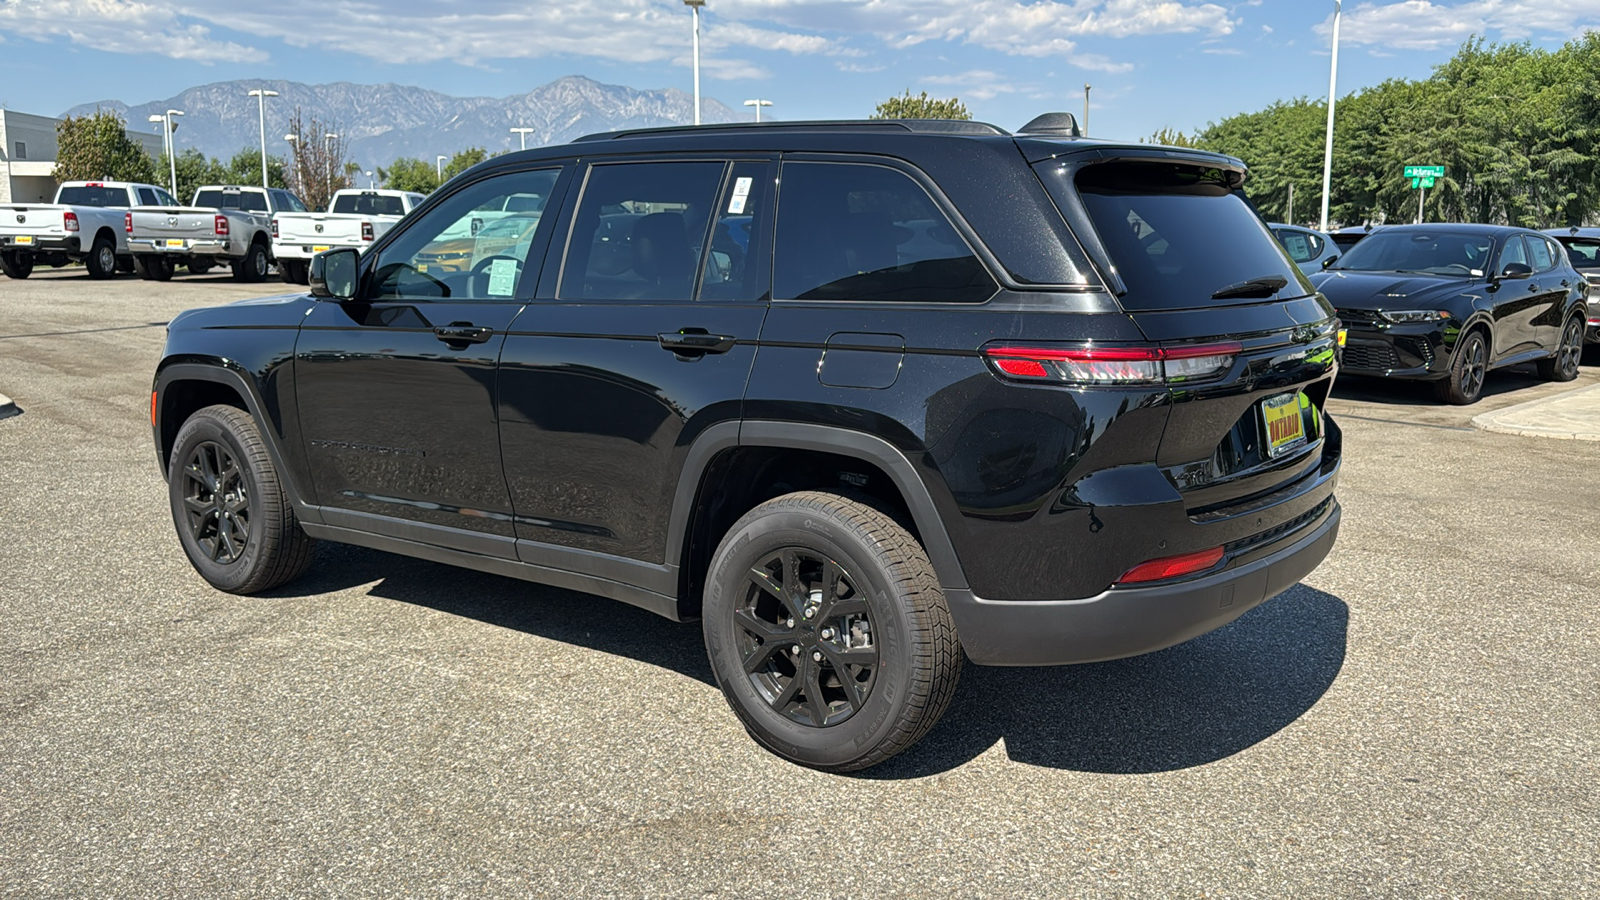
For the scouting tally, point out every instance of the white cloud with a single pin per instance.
(978, 83)
(1426, 25)
(122, 26)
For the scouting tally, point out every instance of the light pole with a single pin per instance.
(172, 151)
(327, 155)
(695, 6)
(261, 102)
(1333, 80)
(166, 143)
(523, 133)
(294, 151)
(438, 168)
(758, 104)
(1085, 129)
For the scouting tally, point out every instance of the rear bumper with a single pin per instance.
(43, 244)
(1130, 621)
(202, 247)
(282, 250)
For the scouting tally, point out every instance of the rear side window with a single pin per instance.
(1542, 258)
(93, 196)
(851, 231)
(147, 197)
(640, 231)
(1177, 233)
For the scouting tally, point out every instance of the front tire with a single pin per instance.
(828, 632)
(16, 264)
(1569, 351)
(102, 259)
(1468, 368)
(252, 269)
(233, 518)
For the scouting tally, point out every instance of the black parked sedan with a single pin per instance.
(1447, 303)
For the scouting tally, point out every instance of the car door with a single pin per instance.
(396, 388)
(1516, 300)
(1551, 286)
(638, 341)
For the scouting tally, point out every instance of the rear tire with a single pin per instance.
(102, 259)
(125, 264)
(878, 657)
(1469, 366)
(292, 271)
(153, 267)
(16, 264)
(200, 267)
(233, 518)
(1569, 351)
(252, 269)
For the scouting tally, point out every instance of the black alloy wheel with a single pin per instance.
(805, 637)
(216, 500)
(1468, 368)
(1569, 352)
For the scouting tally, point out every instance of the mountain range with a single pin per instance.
(381, 122)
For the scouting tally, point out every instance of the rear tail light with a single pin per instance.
(127, 222)
(366, 231)
(274, 227)
(69, 221)
(1172, 567)
(222, 225)
(1114, 365)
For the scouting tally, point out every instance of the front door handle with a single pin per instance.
(463, 333)
(695, 342)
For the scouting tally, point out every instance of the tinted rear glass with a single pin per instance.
(369, 205)
(1427, 250)
(93, 196)
(1584, 252)
(1178, 233)
(251, 201)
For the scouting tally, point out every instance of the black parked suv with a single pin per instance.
(861, 397)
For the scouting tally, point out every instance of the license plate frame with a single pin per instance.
(320, 248)
(1283, 423)
(23, 240)
(174, 244)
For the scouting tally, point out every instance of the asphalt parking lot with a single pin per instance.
(1419, 718)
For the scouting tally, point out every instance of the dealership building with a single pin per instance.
(28, 154)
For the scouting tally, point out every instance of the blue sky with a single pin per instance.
(1153, 63)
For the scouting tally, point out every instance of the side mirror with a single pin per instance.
(333, 274)
(1516, 270)
(1329, 261)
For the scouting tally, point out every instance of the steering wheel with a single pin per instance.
(481, 268)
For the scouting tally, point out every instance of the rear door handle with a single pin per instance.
(695, 341)
(463, 333)
(1533, 288)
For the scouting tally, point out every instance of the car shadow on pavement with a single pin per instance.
(1185, 706)
(1402, 392)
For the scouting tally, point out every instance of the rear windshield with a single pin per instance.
(250, 201)
(369, 205)
(1179, 233)
(1584, 252)
(93, 196)
(1429, 251)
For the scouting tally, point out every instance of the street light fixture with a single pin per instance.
(1333, 80)
(523, 133)
(758, 104)
(261, 102)
(1085, 130)
(294, 151)
(695, 5)
(172, 151)
(438, 168)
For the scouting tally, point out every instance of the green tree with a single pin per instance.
(410, 174)
(245, 169)
(1171, 138)
(463, 161)
(195, 170)
(95, 147)
(921, 107)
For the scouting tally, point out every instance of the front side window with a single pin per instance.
(473, 246)
(1513, 252)
(849, 231)
(640, 231)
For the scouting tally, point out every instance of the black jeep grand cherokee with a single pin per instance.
(859, 396)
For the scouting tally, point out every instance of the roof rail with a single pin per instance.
(916, 126)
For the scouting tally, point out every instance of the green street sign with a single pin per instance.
(1424, 172)
(1422, 182)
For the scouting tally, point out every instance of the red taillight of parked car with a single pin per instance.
(1113, 365)
(274, 227)
(222, 226)
(366, 231)
(127, 222)
(69, 221)
(1172, 567)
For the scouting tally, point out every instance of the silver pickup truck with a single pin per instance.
(355, 219)
(86, 222)
(225, 223)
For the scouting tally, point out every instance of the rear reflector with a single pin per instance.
(152, 409)
(1172, 567)
(1114, 365)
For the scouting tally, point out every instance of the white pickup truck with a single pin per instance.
(355, 219)
(225, 223)
(85, 223)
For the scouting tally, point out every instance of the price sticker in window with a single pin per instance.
(502, 277)
(741, 195)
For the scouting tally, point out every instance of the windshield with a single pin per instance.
(369, 205)
(1420, 250)
(1584, 252)
(1178, 234)
(250, 201)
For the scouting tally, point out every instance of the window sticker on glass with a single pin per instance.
(502, 277)
(741, 194)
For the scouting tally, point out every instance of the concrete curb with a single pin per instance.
(8, 408)
(1570, 416)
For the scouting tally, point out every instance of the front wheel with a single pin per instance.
(1468, 368)
(253, 268)
(828, 633)
(16, 264)
(233, 518)
(1564, 365)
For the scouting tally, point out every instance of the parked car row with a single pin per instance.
(114, 226)
(1447, 303)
